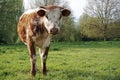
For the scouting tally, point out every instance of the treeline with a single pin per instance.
(101, 20)
(91, 26)
(10, 11)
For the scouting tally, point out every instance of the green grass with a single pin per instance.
(66, 61)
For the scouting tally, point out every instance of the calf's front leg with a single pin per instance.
(43, 55)
(32, 53)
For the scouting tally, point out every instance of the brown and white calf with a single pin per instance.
(36, 27)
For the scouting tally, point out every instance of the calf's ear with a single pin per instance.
(66, 12)
(41, 12)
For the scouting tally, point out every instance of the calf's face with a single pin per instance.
(52, 18)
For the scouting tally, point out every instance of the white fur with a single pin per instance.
(54, 16)
(33, 59)
(42, 40)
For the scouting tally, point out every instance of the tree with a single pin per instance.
(105, 12)
(31, 4)
(51, 2)
(89, 27)
(10, 12)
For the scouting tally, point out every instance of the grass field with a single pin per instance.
(66, 61)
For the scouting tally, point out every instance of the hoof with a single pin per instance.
(33, 73)
(44, 73)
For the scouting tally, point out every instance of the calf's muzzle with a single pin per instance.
(54, 31)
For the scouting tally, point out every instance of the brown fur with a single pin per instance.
(25, 23)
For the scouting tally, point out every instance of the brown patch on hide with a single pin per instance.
(24, 25)
(40, 28)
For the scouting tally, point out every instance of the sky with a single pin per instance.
(77, 7)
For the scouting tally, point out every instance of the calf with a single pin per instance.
(36, 27)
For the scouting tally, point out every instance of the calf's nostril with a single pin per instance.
(54, 31)
(51, 30)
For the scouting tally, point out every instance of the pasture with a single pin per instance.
(66, 61)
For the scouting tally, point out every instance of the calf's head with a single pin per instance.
(52, 16)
